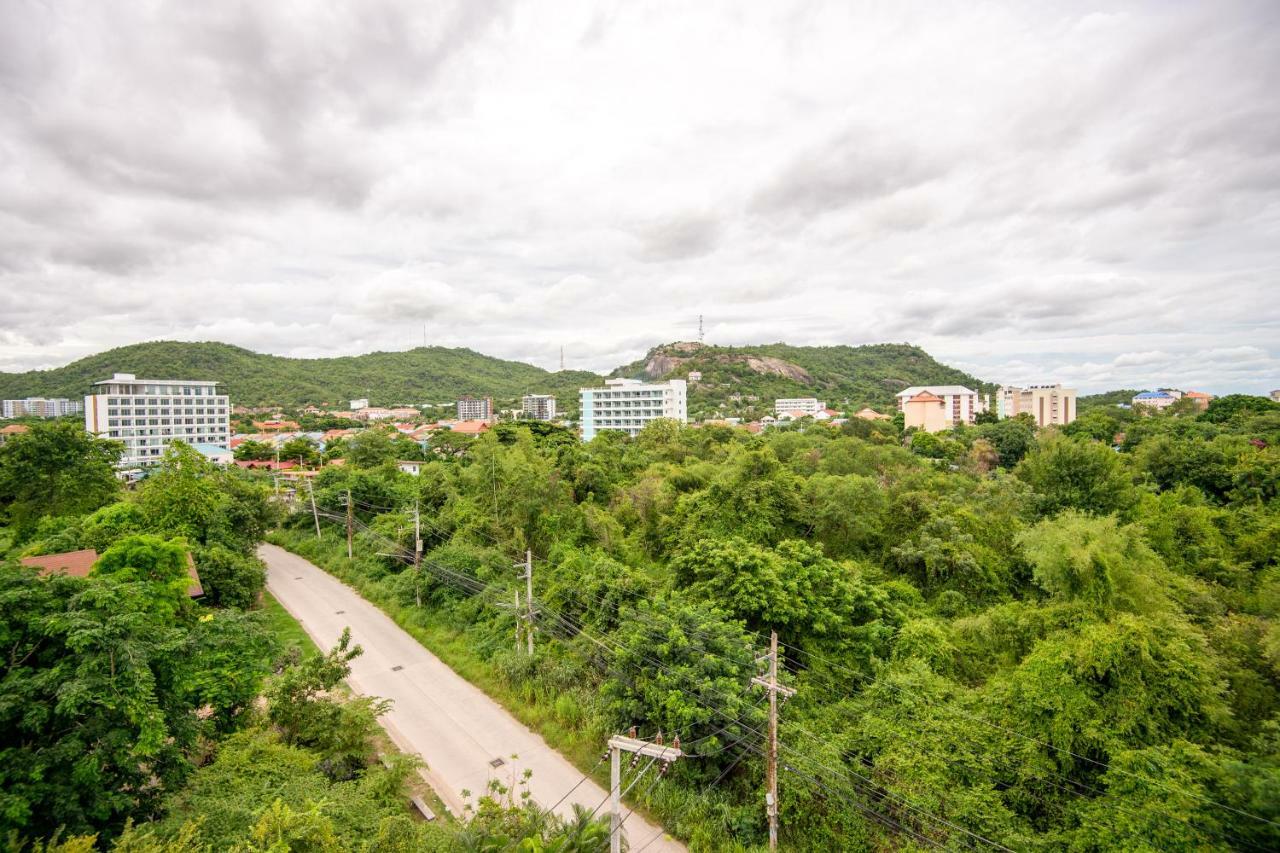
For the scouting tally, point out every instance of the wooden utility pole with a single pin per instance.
(417, 555)
(770, 683)
(517, 612)
(528, 594)
(315, 514)
(351, 523)
(618, 745)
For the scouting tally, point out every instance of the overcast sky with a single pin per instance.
(1033, 191)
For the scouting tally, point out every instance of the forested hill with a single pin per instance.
(423, 374)
(845, 376)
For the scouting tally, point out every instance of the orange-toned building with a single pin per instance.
(926, 411)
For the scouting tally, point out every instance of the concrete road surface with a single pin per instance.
(457, 730)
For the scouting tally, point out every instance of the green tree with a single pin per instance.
(369, 448)
(254, 450)
(1012, 439)
(229, 578)
(55, 469)
(1225, 408)
(159, 564)
(1067, 473)
(301, 449)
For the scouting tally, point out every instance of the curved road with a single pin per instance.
(465, 737)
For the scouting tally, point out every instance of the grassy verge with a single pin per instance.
(285, 627)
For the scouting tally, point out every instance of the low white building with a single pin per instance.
(628, 405)
(960, 404)
(147, 414)
(804, 405)
(216, 454)
(410, 466)
(1161, 399)
(362, 403)
(1048, 404)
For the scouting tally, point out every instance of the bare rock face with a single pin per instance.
(767, 364)
(661, 364)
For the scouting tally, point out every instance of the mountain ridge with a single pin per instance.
(849, 376)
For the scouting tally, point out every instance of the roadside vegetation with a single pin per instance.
(1064, 639)
(136, 718)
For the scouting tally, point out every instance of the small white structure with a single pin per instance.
(409, 466)
(215, 454)
(362, 403)
(798, 405)
(629, 405)
(695, 375)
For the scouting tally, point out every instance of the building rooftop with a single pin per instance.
(925, 397)
(935, 389)
(129, 377)
(210, 449)
(1153, 395)
(80, 563)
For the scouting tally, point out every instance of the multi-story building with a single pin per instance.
(539, 407)
(961, 405)
(629, 404)
(1048, 404)
(40, 407)
(473, 409)
(147, 414)
(805, 405)
(1275, 396)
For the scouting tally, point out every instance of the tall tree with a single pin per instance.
(55, 469)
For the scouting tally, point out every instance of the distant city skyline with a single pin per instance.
(1030, 192)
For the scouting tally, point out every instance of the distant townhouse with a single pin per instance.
(628, 405)
(475, 408)
(960, 405)
(1200, 398)
(539, 407)
(405, 412)
(147, 414)
(1049, 405)
(1161, 399)
(40, 407)
(804, 405)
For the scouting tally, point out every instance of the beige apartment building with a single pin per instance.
(1049, 405)
(927, 411)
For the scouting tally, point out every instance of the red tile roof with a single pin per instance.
(925, 397)
(80, 563)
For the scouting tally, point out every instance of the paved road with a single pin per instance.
(453, 725)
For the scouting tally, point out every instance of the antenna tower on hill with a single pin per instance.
(562, 357)
(700, 328)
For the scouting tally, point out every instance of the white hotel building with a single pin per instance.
(807, 405)
(146, 414)
(629, 404)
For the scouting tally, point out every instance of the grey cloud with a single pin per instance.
(857, 165)
(678, 238)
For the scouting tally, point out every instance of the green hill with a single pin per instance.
(846, 377)
(424, 374)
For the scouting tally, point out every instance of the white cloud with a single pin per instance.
(1032, 192)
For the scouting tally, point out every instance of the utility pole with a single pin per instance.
(417, 555)
(315, 514)
(618, 745)
(517, 612)
(527, 577)
(770, 683)
(351, 523)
